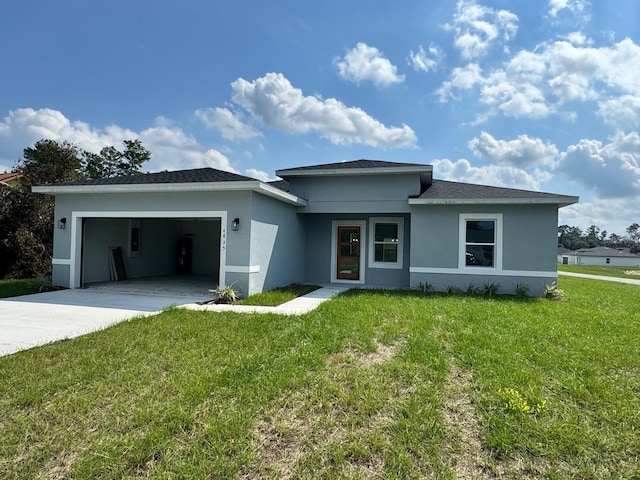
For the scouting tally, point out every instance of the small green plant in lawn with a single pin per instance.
(226, 293)
(552, 292)
(514, 402)
(425, 287)
(453, 290)
(42, 283)
(522, 290)
(472, 289)
(490, 289)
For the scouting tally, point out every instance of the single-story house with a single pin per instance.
(363, 223)
(10, 179)
(602, 256)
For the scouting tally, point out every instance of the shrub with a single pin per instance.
(226, 293)
(552, 292)
(425, 287)
(522, 290)
(490, 289)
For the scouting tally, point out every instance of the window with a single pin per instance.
(386, 242)
(480, 241)
(608, 260)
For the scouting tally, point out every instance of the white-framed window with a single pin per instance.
(386, 242)
(480, 241)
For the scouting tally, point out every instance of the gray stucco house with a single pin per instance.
(360, 223)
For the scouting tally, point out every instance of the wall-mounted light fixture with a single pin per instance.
(235, 224)
(62, 223)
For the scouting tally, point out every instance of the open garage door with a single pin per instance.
(148, 246)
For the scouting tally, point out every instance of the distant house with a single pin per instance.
(364, 223)
(9, 179)
(602, 256)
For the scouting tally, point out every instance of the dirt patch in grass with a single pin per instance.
(459, 414)
(327, 429)
(632, 272)
(62, 466)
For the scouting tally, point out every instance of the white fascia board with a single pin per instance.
(255, 186)
(353, 171)
(560, 201)
(274, 192)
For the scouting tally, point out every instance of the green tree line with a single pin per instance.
(26, 218)
(574, 238)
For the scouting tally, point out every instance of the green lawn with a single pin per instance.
(278, 296)
(13, 288)
(369, 385)
(621, 272)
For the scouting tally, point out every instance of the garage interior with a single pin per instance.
(167, 256)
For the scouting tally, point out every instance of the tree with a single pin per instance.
(633, 232)
(111, 162)
(571, 237)
(26, 219)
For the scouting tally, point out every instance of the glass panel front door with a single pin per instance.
(348, 257)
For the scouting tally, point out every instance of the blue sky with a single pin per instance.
(537, 95)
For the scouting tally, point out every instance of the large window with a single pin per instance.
(480, 241)
(386, 242)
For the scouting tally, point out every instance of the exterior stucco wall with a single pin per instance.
(277, 244)
(614, 261)
(362, 194)
(156, 204)
(529, 247)
(319, 245)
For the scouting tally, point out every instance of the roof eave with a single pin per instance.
(560, 201)
(256, 186)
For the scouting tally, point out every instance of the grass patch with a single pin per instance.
(369, 385)
(14, 288)
(620, 272)
(278, 296)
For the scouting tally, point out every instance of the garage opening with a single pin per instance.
(151, 255)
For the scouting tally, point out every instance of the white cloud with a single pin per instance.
(621, 111)
(538, 83)
(494, 175)
(611, 214)
(423, 62)
(523, 152)
(277, 104)
(367, 63)
(477, 28)
(170, 147)
(260, 175)
(611, 170)
(574, 6)
(461, 78)
(228, 123)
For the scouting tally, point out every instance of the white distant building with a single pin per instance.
(600, 256)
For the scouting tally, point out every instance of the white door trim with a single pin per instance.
(76, 233)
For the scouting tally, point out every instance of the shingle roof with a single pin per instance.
(605, 252)
(446, 190)
(354, 164)
(280, 185)
(198, 175)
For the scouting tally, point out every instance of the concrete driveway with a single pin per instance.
(32, 320)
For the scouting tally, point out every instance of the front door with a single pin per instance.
(348, 254)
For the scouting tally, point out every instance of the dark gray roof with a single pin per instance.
(353, 164)
(444, 190)
(280, 185)
(605, 252)
(198, 175)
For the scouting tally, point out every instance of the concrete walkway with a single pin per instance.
(32, 320)
(629, 281)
